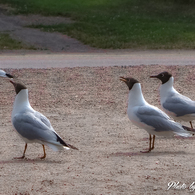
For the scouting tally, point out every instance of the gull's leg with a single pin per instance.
(23, 153)
(150, 137)
(191, 124)
(44, 152)
(153, 142)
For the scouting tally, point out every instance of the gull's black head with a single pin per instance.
(18, 86)
(163, 76)
(129, 81)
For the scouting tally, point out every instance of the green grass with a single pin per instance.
(7, 43)
(153, 24)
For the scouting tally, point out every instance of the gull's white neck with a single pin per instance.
(21, 102)
(135, 96)
(166, 89)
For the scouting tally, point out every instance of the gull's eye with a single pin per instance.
(162, 75)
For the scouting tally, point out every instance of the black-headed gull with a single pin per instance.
(4, 74)
(176, 105)
(149, 117)
(33, 126)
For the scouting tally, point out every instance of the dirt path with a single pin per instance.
(15, 26)
(24, 59)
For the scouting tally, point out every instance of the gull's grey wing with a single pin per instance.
(43, 118)
(157, 119)
(179, 104)
(32, 127)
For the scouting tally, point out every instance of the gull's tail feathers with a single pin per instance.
(72, 147)
(188, 129)
(65, 145)
(56, 146)
(59, 144)
(185, 132)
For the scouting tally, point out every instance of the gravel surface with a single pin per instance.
(87, 107)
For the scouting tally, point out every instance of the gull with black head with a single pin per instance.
(32, 126)
(148, 117)
(176, 105)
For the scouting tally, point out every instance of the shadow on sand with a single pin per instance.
(153, 153)
(27, 160)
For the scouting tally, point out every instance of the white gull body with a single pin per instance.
(176, 105)
(148, 117)
(33, 126)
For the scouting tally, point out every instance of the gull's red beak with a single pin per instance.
(154, 76)
(12, 82)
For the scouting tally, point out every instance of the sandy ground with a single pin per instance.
(87, 107)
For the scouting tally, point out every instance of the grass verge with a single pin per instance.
(7, 43)
(153, 24)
